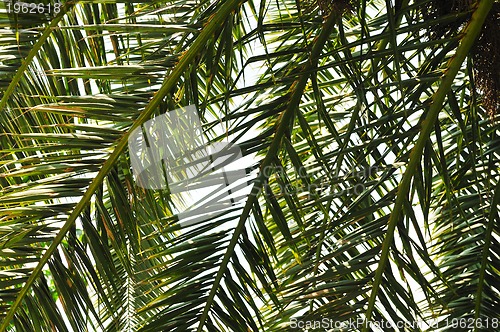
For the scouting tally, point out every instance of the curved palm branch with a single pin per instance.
(371, 192)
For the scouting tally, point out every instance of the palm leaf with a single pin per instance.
(370, 187)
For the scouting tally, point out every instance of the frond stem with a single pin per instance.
(170, 81)
(285, 121)
(469, 37)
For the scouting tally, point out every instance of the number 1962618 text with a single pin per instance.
(33, 8)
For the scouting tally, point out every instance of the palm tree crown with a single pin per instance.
(363, 137)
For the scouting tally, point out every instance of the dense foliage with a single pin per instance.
(370, 143)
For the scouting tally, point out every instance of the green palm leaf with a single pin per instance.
(370, 190)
